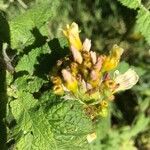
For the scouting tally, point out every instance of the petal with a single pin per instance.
(83, 83)
(86, 45)
(116, 51)
(99, 63)
(113, 59)
(88, 86)
(93, 57)
(127, 80)
(72, 34)
(66, 75)
(76, 55)
(71, 83)
(94, 75)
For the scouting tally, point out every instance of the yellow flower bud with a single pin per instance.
(74, 68)
(56, 80)
(104, 104)
(113, 59)
(87, 64)
(58, 90)
(86, 55)
(110, 84)
(72, 34)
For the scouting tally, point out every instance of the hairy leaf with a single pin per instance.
(143, 23)
(22, 26)
(28, 83)
(52, 126)
(28, 61)
(20, 108)
(131, 3)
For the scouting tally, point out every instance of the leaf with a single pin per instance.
(43, 56)
(20, 108)
(36, 17)
(29, 84)
(123, 67)
(28, 61)
(51, 125)
(139, 125)
(67, 119)
(131, 3)
(145, 104)
(143, 23)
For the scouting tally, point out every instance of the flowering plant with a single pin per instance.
(85, 75)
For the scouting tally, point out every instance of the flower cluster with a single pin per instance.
(85, 75)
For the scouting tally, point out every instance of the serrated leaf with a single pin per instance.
(63, 42)
(143, 23)
(28, 84)
(20, 108)
(36, 17)
(131, 3)
(51, 126)
(28, 61)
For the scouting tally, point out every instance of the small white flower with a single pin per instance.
(86, 45)
(127, 80)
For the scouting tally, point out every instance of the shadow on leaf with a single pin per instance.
(46, 62)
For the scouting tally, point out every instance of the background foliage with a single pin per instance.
(31, 117)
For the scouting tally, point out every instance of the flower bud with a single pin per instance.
(76, 55)
(113, 59)
(71, 82)
(86, 45)
(72, 34)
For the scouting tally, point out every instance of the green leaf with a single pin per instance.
(28, 62)
(143, 23)
(20, 108)
(131, 3)
(36, 17)
(52, 125)
(67, 119)
(123, 67)
(29, 84)
(139, 125)
(144, 104)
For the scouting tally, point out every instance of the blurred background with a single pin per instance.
(108, 22)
